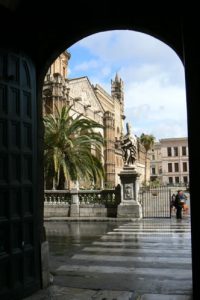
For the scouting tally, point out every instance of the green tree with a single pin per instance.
(69, 143)
(147, 140)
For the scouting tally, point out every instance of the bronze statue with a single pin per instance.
(129, 147)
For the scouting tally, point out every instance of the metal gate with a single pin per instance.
(155, 202)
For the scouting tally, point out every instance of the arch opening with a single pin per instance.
(147, 72)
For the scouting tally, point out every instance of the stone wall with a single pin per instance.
(85, 210)
(92, 210)
(56, 210)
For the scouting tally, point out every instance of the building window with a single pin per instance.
(169, 167)
(175, 151)
(185, 179)
(176, 179)
(170, 179)
(153, 170)
(184, 167)
(153, 157)
(184, 151)
(169, 151)
(176, 167)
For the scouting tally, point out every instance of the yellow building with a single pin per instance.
(170, 161)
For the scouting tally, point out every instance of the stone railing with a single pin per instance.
(92, 203)
(57, 197)
(104, 197)
(57, 204)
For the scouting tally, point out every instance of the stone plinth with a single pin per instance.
(129, 206)
(129, 211)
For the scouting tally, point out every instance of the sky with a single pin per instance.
(153, 75)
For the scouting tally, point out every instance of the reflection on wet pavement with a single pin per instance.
(145, 257)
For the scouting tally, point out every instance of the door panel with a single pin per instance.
(19, 241)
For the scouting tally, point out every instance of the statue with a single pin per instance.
(129, 147)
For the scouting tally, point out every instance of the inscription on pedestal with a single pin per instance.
(128, 191)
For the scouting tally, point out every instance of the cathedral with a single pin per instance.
(93, 102)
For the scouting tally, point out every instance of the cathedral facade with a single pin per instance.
(95, 103)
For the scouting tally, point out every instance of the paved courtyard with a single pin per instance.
(146, 260)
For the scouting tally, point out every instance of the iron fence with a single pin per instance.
(155, 202)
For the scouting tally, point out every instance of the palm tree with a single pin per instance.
(68, 145)
(147, 140)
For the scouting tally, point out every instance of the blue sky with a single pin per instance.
(153, 75)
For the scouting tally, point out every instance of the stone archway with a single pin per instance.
(182, 57)
(52, 34)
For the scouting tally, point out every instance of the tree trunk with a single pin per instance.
(54, 184)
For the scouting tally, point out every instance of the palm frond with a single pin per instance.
(68, 143)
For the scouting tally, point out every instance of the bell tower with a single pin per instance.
(117, 93)
(117, 88)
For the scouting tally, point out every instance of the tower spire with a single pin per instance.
(117, 88)
(117, 79)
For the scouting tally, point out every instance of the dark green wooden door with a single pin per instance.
(19, 243)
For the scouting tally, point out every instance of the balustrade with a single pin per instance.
(105, 198)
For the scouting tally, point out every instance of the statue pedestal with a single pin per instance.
(129, 211)
(129, 206)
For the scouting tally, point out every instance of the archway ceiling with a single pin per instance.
(43, 29)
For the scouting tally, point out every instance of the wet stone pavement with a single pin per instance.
(144, 260)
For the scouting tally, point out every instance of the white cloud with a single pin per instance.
(105, 71)
(153, 78)
(87, 65)
(159, 109)
(95, 80)
(130, 52)
(152, 92)
(126, 44)
(166, 129)
(170, 128)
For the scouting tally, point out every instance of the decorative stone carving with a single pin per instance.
(128, 191)
(82, 88)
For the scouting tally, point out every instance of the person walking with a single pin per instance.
(179, 203)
